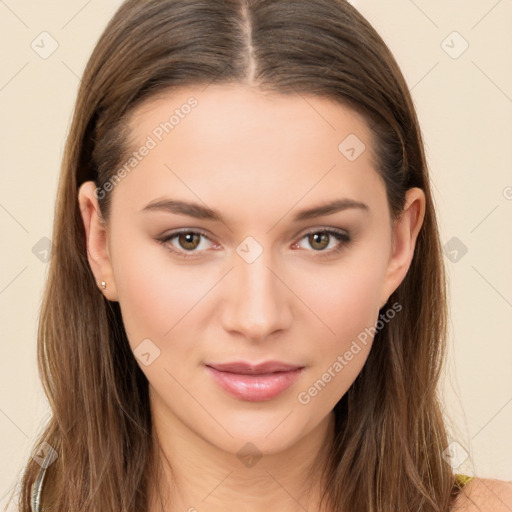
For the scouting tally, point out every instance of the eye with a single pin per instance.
(321, 239)
(188, 241)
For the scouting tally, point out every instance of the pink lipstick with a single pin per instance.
(254, 383)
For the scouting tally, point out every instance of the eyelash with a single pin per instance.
(342, 236)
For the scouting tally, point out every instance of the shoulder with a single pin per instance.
(485, 494)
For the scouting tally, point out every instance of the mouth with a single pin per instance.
(254, 383)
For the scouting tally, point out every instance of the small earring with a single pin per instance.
(103, 284)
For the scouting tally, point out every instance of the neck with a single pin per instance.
(196, 476)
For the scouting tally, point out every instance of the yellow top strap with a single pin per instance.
(462, 480)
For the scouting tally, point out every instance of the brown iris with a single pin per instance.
(319, 238)
(187, 240)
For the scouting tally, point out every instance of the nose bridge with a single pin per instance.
(257, 304)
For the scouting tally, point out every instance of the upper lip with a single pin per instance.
(245, 368)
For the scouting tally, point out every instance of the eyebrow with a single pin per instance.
(203, 212)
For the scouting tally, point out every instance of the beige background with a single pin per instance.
(464, 101)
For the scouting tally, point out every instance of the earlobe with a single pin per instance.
(96, 240)
(405, 233)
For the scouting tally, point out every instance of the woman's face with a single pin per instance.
(261, 272)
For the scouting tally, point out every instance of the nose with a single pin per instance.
(257, 302)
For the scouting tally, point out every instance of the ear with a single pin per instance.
(405, 232)
(96, 232)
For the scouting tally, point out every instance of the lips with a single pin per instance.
(243, 368)
(254, 383)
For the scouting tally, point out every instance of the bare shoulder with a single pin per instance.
(485, 495)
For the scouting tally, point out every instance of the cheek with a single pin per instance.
(156, 296)
(346, 300)
(345, 297)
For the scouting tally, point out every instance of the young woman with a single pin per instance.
(245, 309)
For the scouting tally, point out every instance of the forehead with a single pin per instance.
(247, 144)
(212, 111)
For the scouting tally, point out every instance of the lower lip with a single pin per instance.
(254, 388)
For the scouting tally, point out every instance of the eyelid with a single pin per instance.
(325, 229)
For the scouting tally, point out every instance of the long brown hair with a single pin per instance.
(389, 428)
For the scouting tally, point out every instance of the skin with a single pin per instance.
(485, 494)
(257, 159)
